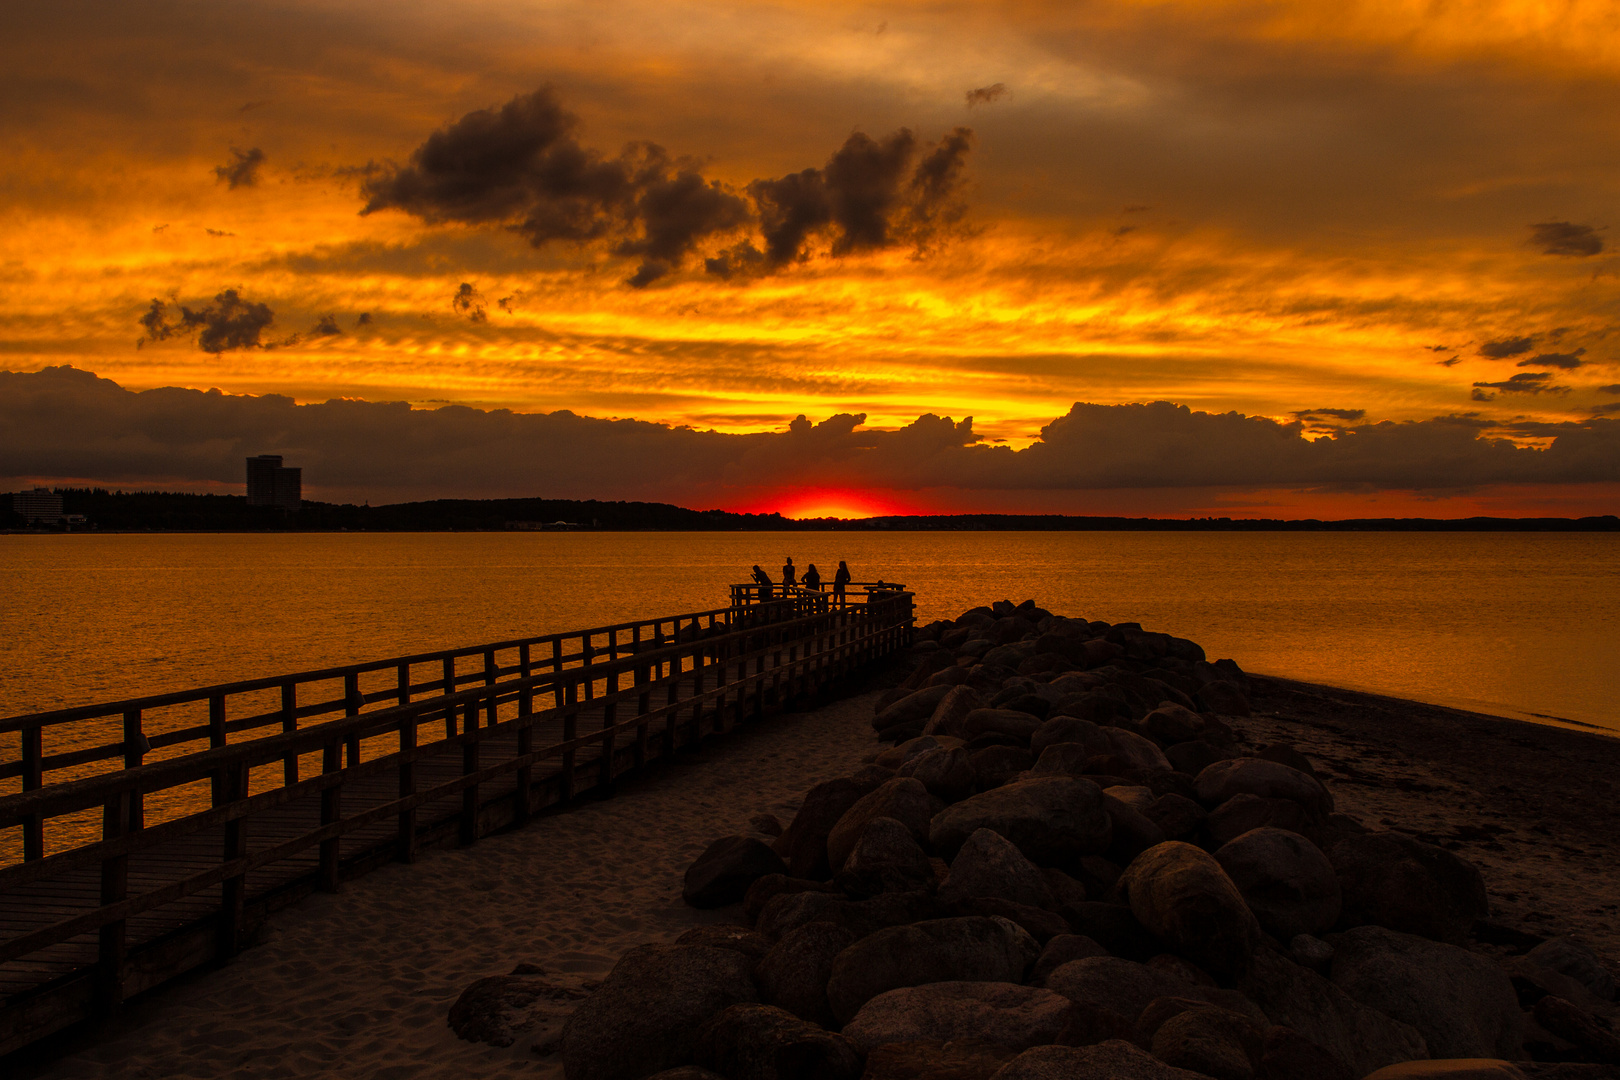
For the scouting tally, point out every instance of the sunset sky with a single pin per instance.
(1245, 259)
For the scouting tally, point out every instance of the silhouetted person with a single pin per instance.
(788, 575)
(764, 581)
(812, 577)
(840, 581)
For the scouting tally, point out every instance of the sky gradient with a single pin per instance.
(1384, 228)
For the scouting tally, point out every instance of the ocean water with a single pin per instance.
(1514, 624)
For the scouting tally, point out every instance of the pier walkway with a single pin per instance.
(146, 838)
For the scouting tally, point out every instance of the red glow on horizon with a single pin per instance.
(826, 502)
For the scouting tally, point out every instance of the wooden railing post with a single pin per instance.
(216, 739)
(331, 814)
(112, 948)
(233, 890)
(643, 706)
(33, 763)
(525, 739)
(604, 780)
(406, 850)
(468, 826)
(351, 707)
(289, 724)
(489, 680)
(136, 745)
(556, 669)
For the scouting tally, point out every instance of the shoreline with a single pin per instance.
(362, 981)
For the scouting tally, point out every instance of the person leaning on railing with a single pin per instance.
(812, 578)
(840, 582)
(764, 581)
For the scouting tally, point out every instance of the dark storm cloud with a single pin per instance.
(230, 322)
(242, 170)
(984, 95)
(1565, 238)
(1537, 382)
(469, 301)
(1506, 347)
(1554, 359)
(1612, 388)
(65, 423)
(326, 326)
(364, 319)
(872, 194)
(522, 167)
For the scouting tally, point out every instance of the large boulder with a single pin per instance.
(1121, 986)
(794, 974)
(914, 708)
(1171, 723)
(1018, 725)
(1266, 779)
(1285, 879)
(1132, 750)
(1569, 957)
(990, 865)
(760, 1042)
(904, 798)
(1115, 1059)
(1224, 699)
(1001, 1013)
(971, 948)
(1477, 1069)
(947, 772)
(737, 938)
(497, 1009)
(886, 859)
(1358, 1037)
(994, 766)
(1462, 1003)
(1393, 880)
(962, 1059)
(789, 911)
(1216, 1042)
(949, 715)
(1063, 728)
(1051, 819)
(647, 1012)
(1181, 894)
(722, 874)
(1241, 813)
(804, 843)
(771, 886)
(1134, 832)
(1062, 949)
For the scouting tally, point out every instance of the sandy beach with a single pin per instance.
(359, 984)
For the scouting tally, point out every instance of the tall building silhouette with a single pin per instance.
(269, 484)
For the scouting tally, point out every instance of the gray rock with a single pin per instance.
(1574, 1024)
(495, 1010)
(989, 865)
(1223, 699)
(1112, 983)
(962, 1059)
(947, 773)
(970, 948)
(794, 974)
(1065, 889)
(952, 711)
(1001, 1013)
(1062, 759)
(647, 1012)
(1289, 1055)
(904, 798)
(994, 766)
(1242, 813)
(1180, 893)
(804, 843)
(1308, 951)
(1133, 832)
(916, 707)
(897, 755)
(1177, 816)
(1285, 879)
(1568, 956)
(1065, 729)
(1141, 755)
(737, 938)
(1170, 724)
(1465, 1069)
(1115, 1059)
(1051, 819)
(1019, 725)
(1358, 1037)
(1266, 779)
(1461, 1002)
(760, 1042)
(886, 859)
(786, 913)
(722, 874)
(761, 892)
(687, 1072)
(1060, 950)
(1392, 880)
(1216, 1042)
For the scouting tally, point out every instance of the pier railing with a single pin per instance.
(307, 806)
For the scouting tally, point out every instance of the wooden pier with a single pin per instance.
(166, 829)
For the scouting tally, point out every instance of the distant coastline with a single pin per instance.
(145, 511)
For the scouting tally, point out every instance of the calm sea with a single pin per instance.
(1520, 625)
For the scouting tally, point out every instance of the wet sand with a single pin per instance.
(359, 984)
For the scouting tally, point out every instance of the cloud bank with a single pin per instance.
(63, 423)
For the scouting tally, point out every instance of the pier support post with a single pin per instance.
(468, 826)
(112, 946)
(331, 813)
(233, 890)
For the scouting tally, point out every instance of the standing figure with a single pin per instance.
(840, 582)
(764, 581)
(788, 575)
(812, 577)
